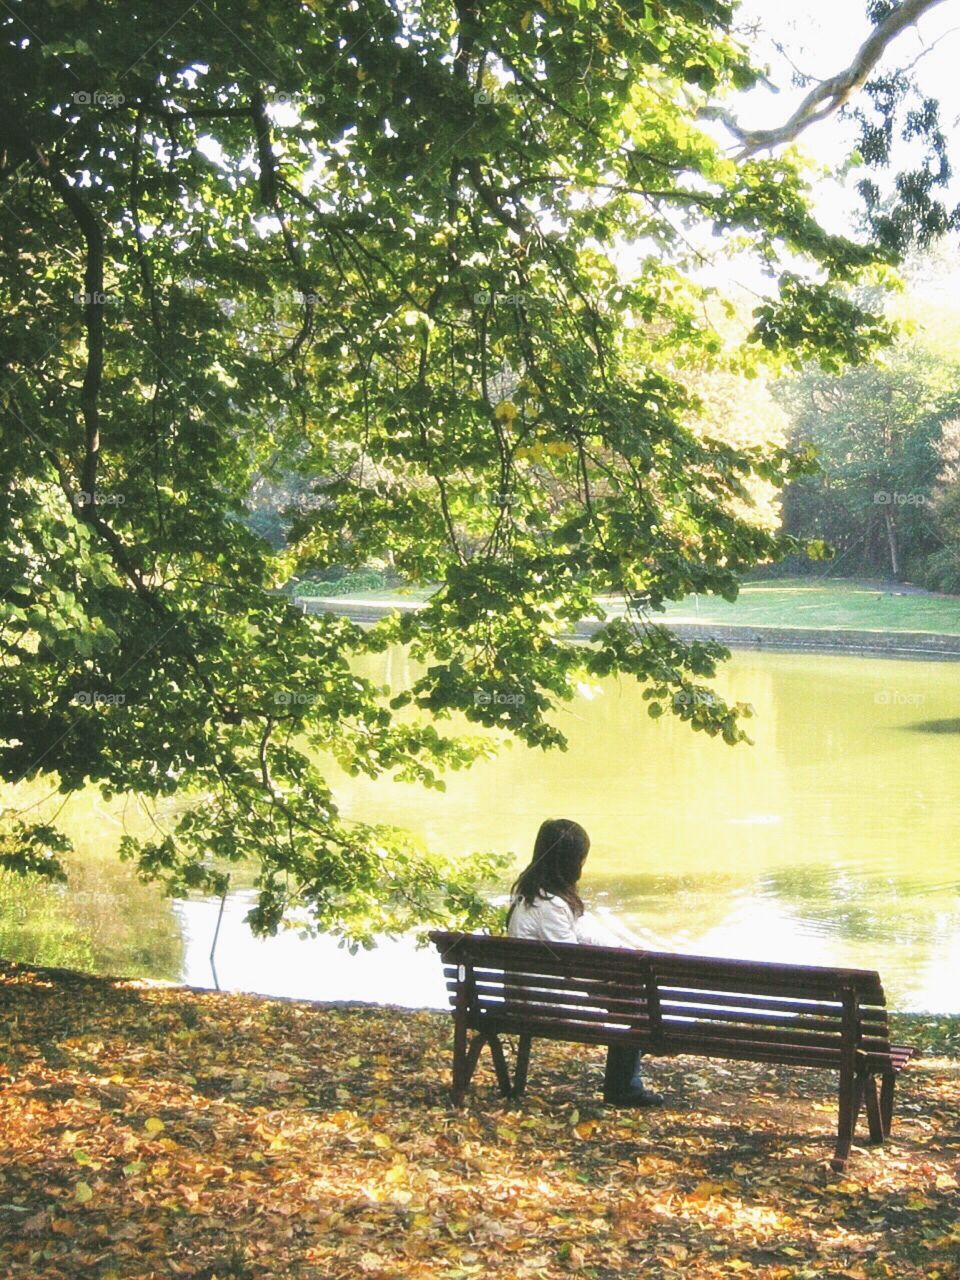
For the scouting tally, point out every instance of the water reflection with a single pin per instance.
(310, 969)
(832, 840)
(934, 726)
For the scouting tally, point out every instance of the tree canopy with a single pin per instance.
(441, 256)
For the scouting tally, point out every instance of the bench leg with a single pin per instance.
(500, 1065)
(523, 1062)
(464, 1062)
(887, 1084)
(850, 1096)
(460, 1077)
(874, 1118)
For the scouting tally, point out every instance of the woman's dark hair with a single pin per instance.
(559, 852)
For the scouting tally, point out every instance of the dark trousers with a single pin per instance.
(622, 1063)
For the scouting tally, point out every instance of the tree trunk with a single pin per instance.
(891, 527)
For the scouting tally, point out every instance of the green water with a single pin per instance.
(833, 840)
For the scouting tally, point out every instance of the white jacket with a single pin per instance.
(551, 919)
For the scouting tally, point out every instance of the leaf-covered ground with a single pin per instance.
(158, 1132)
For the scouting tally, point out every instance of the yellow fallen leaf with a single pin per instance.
(704, 1190)
(83, 1192)
(154, 1125)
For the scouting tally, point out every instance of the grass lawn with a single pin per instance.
(154, 1132)
(842, 604)
(845, 604)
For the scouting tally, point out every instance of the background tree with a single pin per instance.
(876, 431)
(942, 569)
(380, 245)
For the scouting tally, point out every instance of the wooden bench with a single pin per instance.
(663, 1004)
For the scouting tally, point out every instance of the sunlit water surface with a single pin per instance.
(833, 840)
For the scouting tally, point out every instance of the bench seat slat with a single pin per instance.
(898, 1055)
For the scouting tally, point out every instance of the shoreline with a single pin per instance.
(59, 973)
(918, 645)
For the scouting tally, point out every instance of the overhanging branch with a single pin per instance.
(17, 139)
(830, 95)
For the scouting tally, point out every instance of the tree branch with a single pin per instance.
(16, 138)
(830, 95)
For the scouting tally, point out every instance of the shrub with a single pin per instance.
(365, 580)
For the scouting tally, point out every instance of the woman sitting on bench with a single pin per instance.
(546, 906)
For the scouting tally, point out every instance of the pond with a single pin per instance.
(832, 840)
